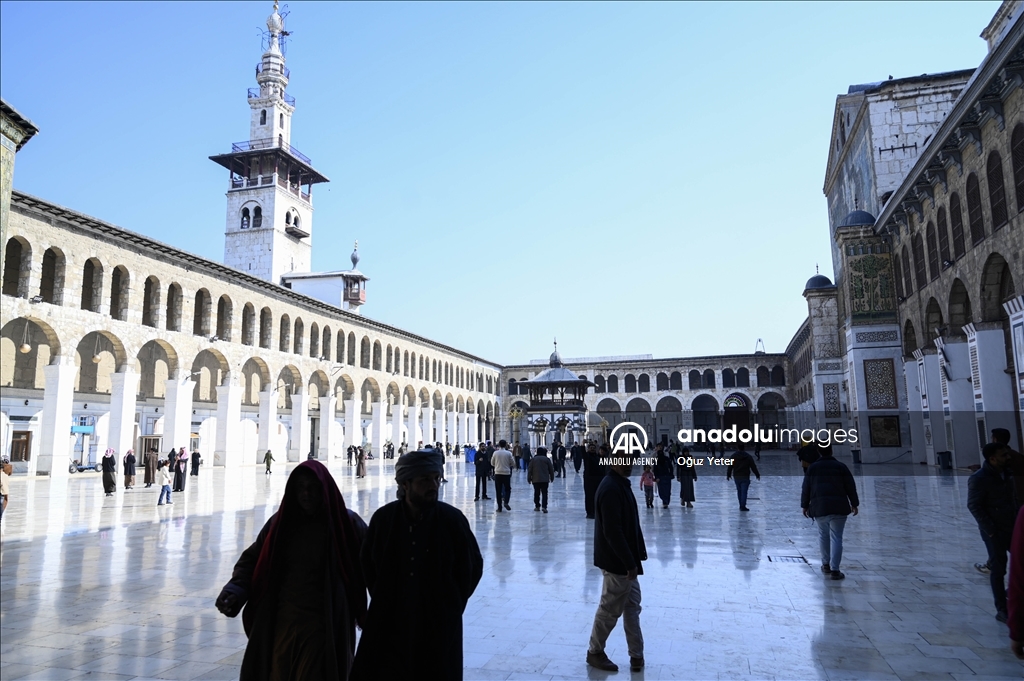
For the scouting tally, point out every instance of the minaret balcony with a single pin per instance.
(270, 67)
(254, 93)
(270, 143)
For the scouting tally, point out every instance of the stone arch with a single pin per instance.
(960, 313)
(266, 328)
(172, 313)
(351, 360)
(643, 383)
(909, 338)
(410, 395)
(471, 406)
(299, 338)
(705, 412)
(339, 347)
(424, 398)
(668, 419)
(599, 386)
(707, 379)
(377, 359)
(21, 368)
(318, 385)
(736, 400)
(344, 388)
(284, 337)
(51, 281)
(460, 405)
(225, 318)
(743, 377)
(661, 381)
(388, 359)
(369, 393)
(449, 402)
(436, 400)
(314, 340)
(201, 313)
(932, 321)
(764, 377)
(120, 293)
(151, 301)
(996, 288)
(629, 383)
(669, 403)
(92, 284)
(156, 362)
(612, 383)
(771, 407)
(364, 352)
(778, 376)
(289, 381)
(248, 324)
(694, 379)
(255, 379)
(210, 369)
(728, 378)
(325, 343)
(98, 354)
(17, 267)
(675, 381)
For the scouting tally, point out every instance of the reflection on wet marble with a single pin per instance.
(116, 588)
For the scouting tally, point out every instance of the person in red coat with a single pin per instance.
(1015, 595)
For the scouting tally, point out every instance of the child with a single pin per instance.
(647, 485)
(165, 483)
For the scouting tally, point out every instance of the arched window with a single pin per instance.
(377, 356)
(778, 376)
(708, 379)
(613, 384)
(956, 222)
(314, 341)
(339, 347)
(932, 321)
(661, 381)
(743, 378)
(284, 340)
(266, 327)
(51, 284)
(599, 384)
(351, 349)
(897, 268)
(225, 312)
(280, 141)
(364, 353)
(920, 271)
(263, 117)
(908, 282)
(960, 314)
(974, 214)
(295, 221)
(933, 251)
(120, 286)
(245, 219)
(280, 120)
(325, 343)
(257, 217)
(728, 378)
(996, 190)
(764, 378)
(512, 387)
(630, 381)
(248, 324)
(201, 313)
(675, 381)
(694, 380)
(173, 314)
(288, 218)
(299, 337)
(150, 301)
(1017, 153)
(643, 383)
(943, 233)
(92, 284)
(909, 339)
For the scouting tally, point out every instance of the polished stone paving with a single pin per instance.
(117, 588)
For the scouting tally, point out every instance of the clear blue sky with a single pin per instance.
(631, 178)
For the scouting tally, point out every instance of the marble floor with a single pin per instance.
(117, 588)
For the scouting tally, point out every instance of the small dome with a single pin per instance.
(858, 218)
(555, 360)
(274, 22)
(818, 281)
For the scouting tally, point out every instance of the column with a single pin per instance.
(428, 425)
(463, 435)
(453, 436)
(268, 422)
(396, 424)
(177, 412)
(121, 434)
(439, 426)
(55, 436)
(993, 394)
(380, 415)
(1015, 309)
(328, 403)
(228, 450)
(353, 425)
(413, 420)
(472, 436)
(298, 449)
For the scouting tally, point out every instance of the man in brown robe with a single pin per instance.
(149, 463)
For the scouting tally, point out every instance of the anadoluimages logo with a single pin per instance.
(629, 440)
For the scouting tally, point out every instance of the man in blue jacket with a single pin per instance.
(829, 496)
(618, 550)
(990, 501)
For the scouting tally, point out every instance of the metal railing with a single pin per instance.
(256, 145)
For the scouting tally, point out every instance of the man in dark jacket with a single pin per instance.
(421, 563)
(577, 456)
(593, 473)
(829, 496)
(483, 470)
(990, 501)
(540, 474)
(618, 550)
(740, 468)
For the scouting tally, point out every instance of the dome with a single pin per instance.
(858, 218)
(555, 360)
(818, 281)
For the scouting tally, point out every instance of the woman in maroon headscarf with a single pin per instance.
(301, 584)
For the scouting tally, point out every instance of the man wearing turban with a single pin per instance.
(421, 563)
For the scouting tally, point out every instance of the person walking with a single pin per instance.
(540, 474)
(593, 473)
(647, 483)
(180, 470)
(502, 463)
(421, 564)
(5, 476)
(108, 464)
(482, 461)
(740, 469)
(197, 460)
(267, 459)
(663, 474)
(576, 453)
(808, 454)
(164, 475)
(360, 462)
(301, 585)
(560, 459)
(129, 469)
(686, 474)
(619, 550)
(990, 501)
(517, 454)
(829, 496)
(527, 455)
(149, 463)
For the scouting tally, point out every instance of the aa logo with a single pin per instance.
(628, 438)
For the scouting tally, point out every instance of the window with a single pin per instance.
(150, 301)
(263, 117)
(743, 378)
(940, 220)
(257, 217)
(280, 120)
(120, 285)
(956, 221)
(996, 190)
(613, 384)
(1017, 153)
(675, 381)
(728, 378)
(898, 271)
(708, 379)
(173, 308)
(974, 215)
(644, 383)
(694, 380)
(224, 318)
(245, 219)
(908, 283)
(51, 284)
(201, 313)
(266, 328)
(933, 251)
(920, 272)
(661, 381)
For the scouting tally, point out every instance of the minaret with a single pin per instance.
(270, 191)
(354, 293)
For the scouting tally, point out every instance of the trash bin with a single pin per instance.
(856, 455)
(945, 460)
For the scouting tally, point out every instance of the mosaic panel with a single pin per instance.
(830, 366)
(880, 382)
(831, 394)
(876, 336)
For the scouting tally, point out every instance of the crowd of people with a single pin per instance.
(175, 466)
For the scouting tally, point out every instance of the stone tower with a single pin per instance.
(270, 192)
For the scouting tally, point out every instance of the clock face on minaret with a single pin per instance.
(268, 231)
